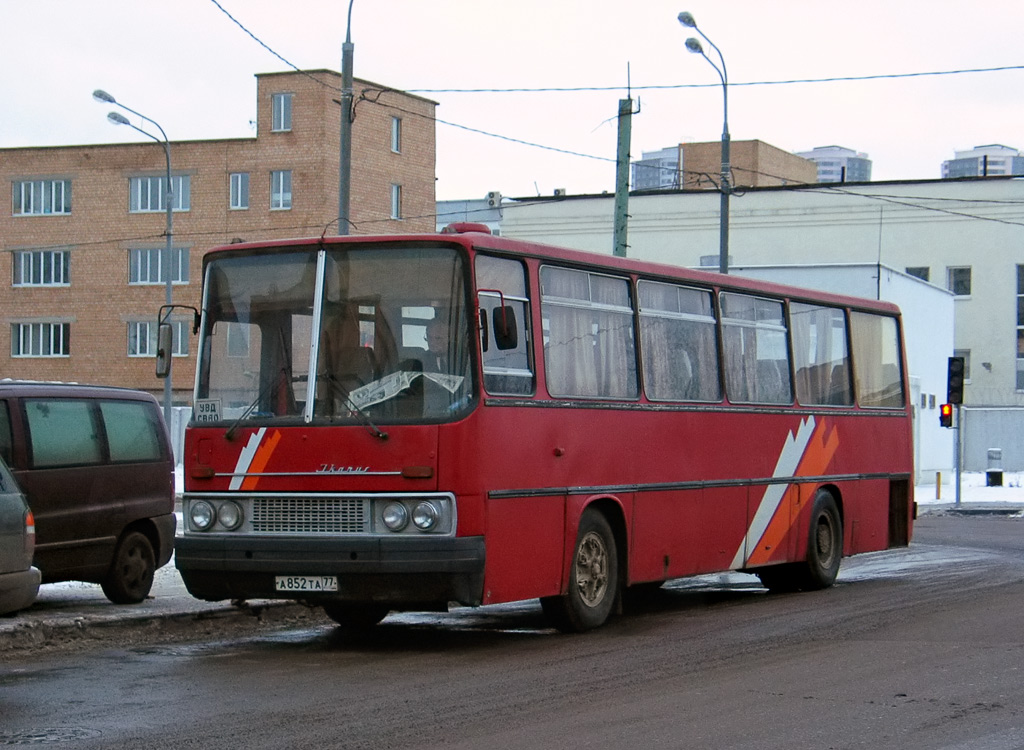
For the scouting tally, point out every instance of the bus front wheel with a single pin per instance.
(593, 579)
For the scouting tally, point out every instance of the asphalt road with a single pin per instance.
(918, 648)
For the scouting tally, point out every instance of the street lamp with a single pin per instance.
(118, 119)
(694, 46)
(345, 152)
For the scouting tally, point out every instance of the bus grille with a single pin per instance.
(295, 515)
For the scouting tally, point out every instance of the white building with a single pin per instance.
(839, 164)
(984, 161)
(965, 236)
(486, 210)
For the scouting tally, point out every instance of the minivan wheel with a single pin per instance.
(131, 575)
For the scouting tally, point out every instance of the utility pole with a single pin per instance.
(622, 177)
(345, 157)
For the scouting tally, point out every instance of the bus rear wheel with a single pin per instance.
(824, 553)
(356, 617)
(825, 546)
(593, 579)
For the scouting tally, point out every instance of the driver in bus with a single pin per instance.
(436, 359)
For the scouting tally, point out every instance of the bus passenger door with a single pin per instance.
(526, 547)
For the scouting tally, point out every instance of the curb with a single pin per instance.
(57, 632)
(970, 509)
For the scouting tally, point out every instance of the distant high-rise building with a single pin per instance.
(984, 161)
(838, 164)
(658, 169)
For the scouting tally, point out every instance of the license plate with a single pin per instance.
(311, 584)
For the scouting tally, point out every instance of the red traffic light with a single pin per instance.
(946, 415)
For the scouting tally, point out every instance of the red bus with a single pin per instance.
(404, 422)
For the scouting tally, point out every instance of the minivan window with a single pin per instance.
(62, 433)
(131, 434)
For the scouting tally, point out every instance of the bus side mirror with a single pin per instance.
(164, 344)
(506, 334)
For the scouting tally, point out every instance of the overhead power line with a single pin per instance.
(671, 86)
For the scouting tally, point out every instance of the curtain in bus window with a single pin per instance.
(756, 353)
(615, 340)
(876, 352)
(589, 348)
(820, 354)
(677, 332)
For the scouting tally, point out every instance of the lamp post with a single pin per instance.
(118, 119)
(345, 153)
(694, 46)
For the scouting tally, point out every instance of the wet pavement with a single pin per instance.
(69, 611)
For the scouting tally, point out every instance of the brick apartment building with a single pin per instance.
(82, 242)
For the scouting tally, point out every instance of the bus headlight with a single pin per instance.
(425, 516)
(395, 516)
(230, 515)
(201, 515)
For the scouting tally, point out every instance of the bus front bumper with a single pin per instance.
(399, 570)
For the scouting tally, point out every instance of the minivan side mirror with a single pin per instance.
(164, 347)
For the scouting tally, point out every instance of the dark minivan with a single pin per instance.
(95, 465)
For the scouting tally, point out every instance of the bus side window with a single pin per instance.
(504, 333)
(876, 361)
(821, 354)
(756, 350)
(678, 343)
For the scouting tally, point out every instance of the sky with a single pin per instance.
(191, 68)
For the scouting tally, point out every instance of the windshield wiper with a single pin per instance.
(365, 419)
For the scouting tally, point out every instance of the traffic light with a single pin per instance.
(946, 415)
(955, 381)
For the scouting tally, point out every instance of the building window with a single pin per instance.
(40, 339)
(42, 268)
(146, 194)
(1020, 328)
(396, 201)
(396, 134)
(145, 265)
(958, 280)
(281, 189)
(920, 272)
(142, 338)
(239, 191)
(41, 197)
(282, 112)
(238, 340)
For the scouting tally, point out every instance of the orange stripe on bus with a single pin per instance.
(815, 460)
(259, 461)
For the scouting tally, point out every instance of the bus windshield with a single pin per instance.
(387, 329)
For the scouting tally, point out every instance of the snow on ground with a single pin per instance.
(973, 489)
